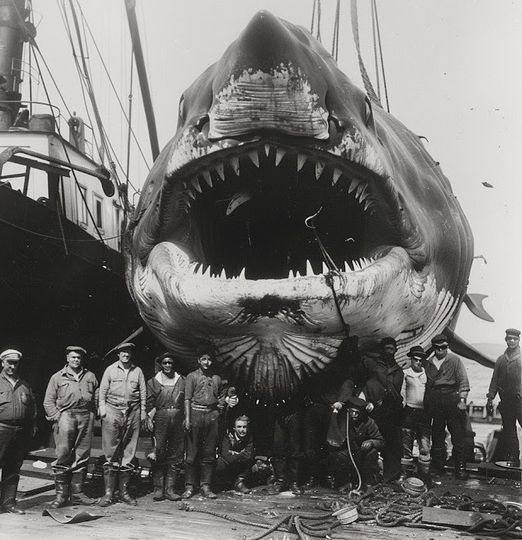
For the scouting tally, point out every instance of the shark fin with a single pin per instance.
(474, 304)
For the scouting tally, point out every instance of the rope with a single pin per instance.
(374, 5)
(316, 9)
(335, 39)
(364, 74)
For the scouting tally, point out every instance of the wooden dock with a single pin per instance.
(154, 520)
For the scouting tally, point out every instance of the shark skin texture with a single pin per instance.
(288, 208)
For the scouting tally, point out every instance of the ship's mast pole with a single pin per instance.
(130, 6)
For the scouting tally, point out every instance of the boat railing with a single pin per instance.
(41, 116)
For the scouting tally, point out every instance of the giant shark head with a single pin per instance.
(220, 251)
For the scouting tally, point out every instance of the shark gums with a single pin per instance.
(287, 209)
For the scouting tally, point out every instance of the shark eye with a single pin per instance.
(368, 114)
(202, 122)
(181, 112)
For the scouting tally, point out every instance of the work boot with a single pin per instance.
(207, 470)
(172, 474)
(77, 494)
(109, 478)
(158, 481)
(9, 488)
(423, 472)
(124, 478)
(190, 477)
(62, 482)
(460, 470)
(294, 488)
(239, 485)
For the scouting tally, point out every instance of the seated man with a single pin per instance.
(364, 439)
(237, 453)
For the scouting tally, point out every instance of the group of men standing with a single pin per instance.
(400, 406)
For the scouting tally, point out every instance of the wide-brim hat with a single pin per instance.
(128, 346)
(417, 352)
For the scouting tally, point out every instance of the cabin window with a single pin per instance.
(98, 211)
(82, 205)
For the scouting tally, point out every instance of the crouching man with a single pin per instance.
(364, 442)
(70, 401)
(237, 455)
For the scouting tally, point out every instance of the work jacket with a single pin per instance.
(65, 391)
(17, 404)
(123, 388)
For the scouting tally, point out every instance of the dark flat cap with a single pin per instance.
(75, 348)
(125, 347)
(417, 352)
(354, 402)
(388, 341)
(439, 339)
(513, 332)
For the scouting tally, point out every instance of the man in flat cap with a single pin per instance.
(123, 396)
(383, 390)
(506, 380)
(447, 389)
(70, 402)
(165, 407)
(416, 422)
(17, 424)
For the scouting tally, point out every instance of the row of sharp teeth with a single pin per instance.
(360, 187)
(356, 265)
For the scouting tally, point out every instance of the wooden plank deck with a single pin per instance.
(154, 520)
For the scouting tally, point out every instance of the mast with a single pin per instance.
(14, 30)
(130, 6)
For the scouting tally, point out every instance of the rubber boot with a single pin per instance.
(124, 478)
(158, 481)
(62, 482)
(423, 471)
(207, 470)
(240, 486)
(190, 476)
(460, 469)
(77, 494)
(109, 477)
(9, 489)
(172, 474)
(293, 476)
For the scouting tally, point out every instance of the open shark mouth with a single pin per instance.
(266, 236)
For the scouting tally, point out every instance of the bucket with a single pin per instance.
(347, 514)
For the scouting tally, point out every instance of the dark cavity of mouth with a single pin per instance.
(245, 213)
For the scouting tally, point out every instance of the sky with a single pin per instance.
(452, 71)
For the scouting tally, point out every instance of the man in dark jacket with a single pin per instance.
(364, 439)
(445, 397)
(17, 422)
(70, 403)
(237, 454)
(506, 380)
(383, 390)
(165, 404)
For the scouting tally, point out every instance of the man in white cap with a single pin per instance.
(17, 424)
(70, 403)
(123, 398)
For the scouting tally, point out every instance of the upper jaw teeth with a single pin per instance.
(275, 155)
(213, 272)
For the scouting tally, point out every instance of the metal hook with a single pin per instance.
(311, 218)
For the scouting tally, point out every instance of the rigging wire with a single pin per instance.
(375, 55)
(335, 39)
(316, 9)
(374, 4)
(114, 89)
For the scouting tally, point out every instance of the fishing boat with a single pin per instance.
(61, 218)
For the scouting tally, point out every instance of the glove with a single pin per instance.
(366, 446)
(232, 401)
